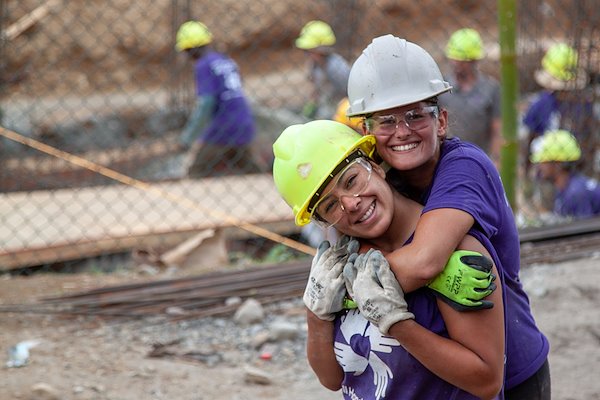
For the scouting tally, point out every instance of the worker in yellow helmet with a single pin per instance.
(562, 104)
(328, 70)
(556, 154)
(474, 101)
(220, 131)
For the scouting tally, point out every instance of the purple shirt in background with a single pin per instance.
(232, 123)
(581, 197)
(466, 179)
(546, 113)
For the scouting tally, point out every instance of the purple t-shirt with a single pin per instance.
(377, 367)
(466, 179)
(232, 123)
(546, 113)
(581, 198)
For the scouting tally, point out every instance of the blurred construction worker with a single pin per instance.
(474, 102)
(221, 129)
(555, 154)
(328, 70)
(561, 104)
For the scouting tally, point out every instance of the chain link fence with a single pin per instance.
(102, 81)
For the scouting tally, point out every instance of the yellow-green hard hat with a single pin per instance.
(192, 34)
(465, 45)
(558, 145)
(315, 34)
(560, 61)
(306, 155)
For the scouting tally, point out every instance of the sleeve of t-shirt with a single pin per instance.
(537, 116)
(467, 184)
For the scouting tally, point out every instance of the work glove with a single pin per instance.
(309, 110)
(465, 281)
(374, 288)
(325, 291)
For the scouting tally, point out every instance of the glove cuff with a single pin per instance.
(386, 322)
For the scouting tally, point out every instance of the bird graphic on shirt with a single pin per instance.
(351, 362)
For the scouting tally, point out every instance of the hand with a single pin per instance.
(465, 281)
(325, 291)
(374, 287)
(309, 110)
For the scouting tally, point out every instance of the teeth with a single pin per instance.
(405, 147)
(368, 213)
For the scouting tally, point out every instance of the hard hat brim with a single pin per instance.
(547, 81)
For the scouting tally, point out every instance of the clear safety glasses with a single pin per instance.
(350, 182)
(385, 125)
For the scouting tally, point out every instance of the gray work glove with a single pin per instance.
(325, 290)
(373, 285)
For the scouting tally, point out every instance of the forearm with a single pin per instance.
(320, 352)
(199, 119)
(447, 359)
(496, 142)
(417, 263)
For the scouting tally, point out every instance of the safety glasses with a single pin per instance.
(350, 182)
(416, 119)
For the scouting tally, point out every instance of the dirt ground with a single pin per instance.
(84, 358)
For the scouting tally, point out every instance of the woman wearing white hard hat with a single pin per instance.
(395, 85)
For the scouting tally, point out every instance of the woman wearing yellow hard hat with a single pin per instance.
(324, 171)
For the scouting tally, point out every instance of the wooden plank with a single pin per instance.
(49, 226)
(30, 19)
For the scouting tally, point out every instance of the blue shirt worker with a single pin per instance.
(556, 154)
(221, 129)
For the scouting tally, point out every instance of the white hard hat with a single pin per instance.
(392, 72)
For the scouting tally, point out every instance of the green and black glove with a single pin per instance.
(309, 110)
(465, 281)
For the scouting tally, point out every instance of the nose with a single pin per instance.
(401, 130)
(349, 203)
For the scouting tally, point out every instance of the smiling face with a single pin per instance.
(412, 149)
(367, 214)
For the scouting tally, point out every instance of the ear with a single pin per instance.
(378, 169)
(442, 123)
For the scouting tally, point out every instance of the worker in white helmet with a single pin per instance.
(394, 85)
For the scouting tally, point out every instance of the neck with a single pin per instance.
(561, 180)
(403, 224)
(466, 81)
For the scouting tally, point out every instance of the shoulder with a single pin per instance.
(455, 150)
(488, 81)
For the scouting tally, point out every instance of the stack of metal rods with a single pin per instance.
(192, 297)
